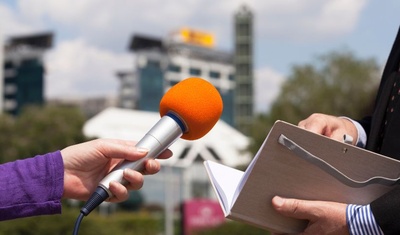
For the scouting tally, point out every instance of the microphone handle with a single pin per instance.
(165, 132)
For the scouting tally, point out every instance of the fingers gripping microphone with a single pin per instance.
(188, 110)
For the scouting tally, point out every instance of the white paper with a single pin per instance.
(225, 181)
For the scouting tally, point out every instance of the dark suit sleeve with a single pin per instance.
(366, 124)
(386, 210)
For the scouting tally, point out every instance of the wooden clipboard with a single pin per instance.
(296, 163)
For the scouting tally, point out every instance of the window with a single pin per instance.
(243, 28)
(8, 64)
(173, 83)
(195, 71)
(174, 68)
(214, 74)
(243, 69)
(153, 63)
(30, 63)
(244, 90)
(243, 48)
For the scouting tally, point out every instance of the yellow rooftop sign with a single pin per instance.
(197, 37)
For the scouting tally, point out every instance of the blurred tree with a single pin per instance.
(38, 130)
(338, 83)
(7, 124)
(121, 223)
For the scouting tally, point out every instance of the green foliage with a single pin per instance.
(337, 83)
(118, 224)
(234, 228)
(7, 152)
(341, 85)
(38, 130)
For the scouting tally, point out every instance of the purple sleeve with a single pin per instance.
(32, 186)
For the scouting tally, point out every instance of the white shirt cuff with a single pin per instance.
(362, 135)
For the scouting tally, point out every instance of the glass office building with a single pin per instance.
(23, 74)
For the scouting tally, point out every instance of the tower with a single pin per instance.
(243, 62)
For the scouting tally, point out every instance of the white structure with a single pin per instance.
(185, 169)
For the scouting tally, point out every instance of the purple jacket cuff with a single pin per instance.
(32, 186)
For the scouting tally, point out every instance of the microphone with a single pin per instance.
(188, 110)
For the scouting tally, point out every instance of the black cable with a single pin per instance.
(77, 224)
(95, 199)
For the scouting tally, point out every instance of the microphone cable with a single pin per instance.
(98, 196)
(77, 224)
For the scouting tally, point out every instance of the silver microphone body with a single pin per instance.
(165, 132)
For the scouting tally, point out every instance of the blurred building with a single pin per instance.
(244, 69)
(24, 72)
(129, 90)
(163, 62)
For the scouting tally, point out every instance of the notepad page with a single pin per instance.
(225, 180)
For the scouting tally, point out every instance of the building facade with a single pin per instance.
(23, 72)
(162, 63)
(128, 93)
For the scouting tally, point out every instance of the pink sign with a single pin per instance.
(201, 213)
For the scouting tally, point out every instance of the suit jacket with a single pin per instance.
(386, 209)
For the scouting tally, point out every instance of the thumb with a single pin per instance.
(298, 209)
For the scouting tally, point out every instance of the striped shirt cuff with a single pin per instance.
(361, 221)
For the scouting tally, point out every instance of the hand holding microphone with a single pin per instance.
(188, 110)
(84, 163)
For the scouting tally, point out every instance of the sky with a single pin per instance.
(92, 36)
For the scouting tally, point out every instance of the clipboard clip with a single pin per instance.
(304, 154)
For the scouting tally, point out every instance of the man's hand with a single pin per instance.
(330, 126)
(324, 217)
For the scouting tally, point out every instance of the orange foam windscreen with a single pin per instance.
(197, 102)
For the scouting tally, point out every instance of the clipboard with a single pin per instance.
(296, 163)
